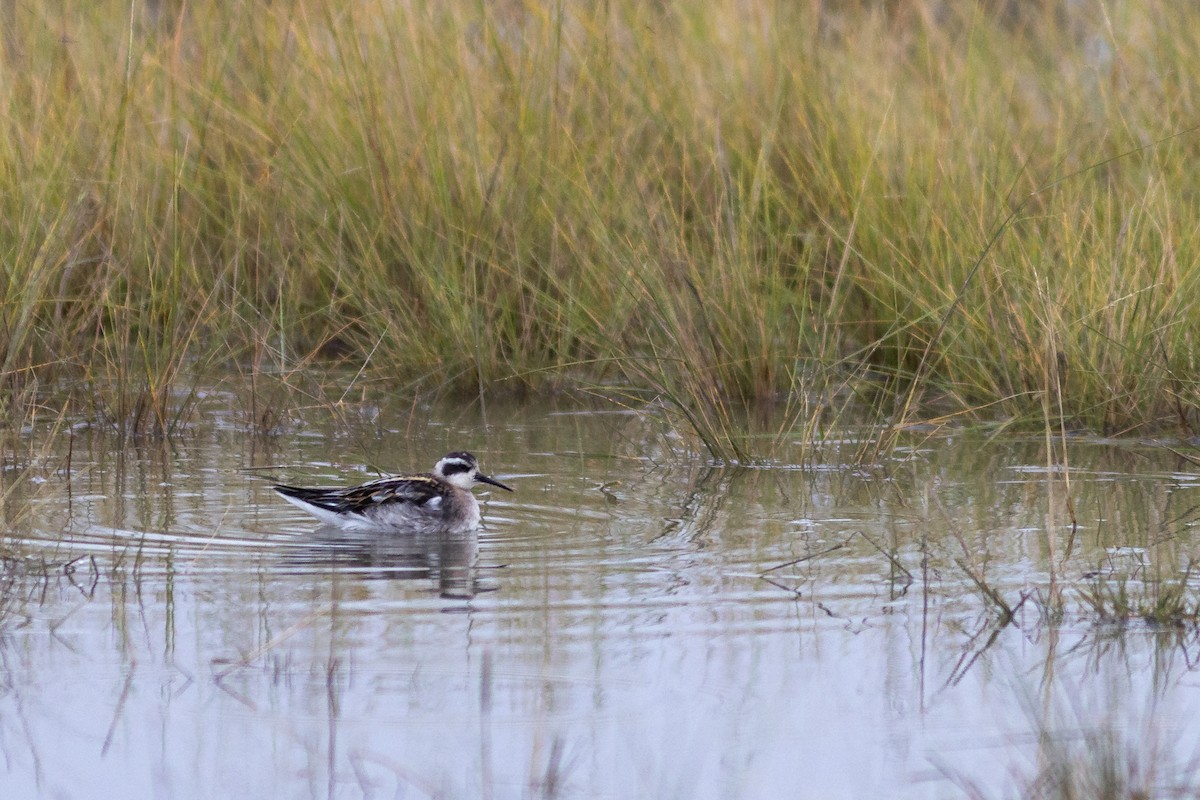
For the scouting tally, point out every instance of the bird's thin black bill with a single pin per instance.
(485, 479)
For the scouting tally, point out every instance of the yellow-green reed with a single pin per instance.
(932, 207)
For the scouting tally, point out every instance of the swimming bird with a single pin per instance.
(430, 501)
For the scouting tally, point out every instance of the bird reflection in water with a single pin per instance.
(447, 558)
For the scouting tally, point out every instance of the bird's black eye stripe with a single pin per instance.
(455, 467)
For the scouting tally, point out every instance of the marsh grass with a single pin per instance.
(718, 205)
(1104, 597)
(1166, 603)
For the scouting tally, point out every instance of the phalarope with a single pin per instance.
(436, 501)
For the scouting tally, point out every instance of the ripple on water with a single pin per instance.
(610, 608)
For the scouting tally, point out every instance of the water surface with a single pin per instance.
(632, 622)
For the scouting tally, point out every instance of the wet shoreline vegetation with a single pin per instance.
(918, 209)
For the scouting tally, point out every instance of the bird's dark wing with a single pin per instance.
(415, 489)
(418, 490)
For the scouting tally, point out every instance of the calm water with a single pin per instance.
(621, 628)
